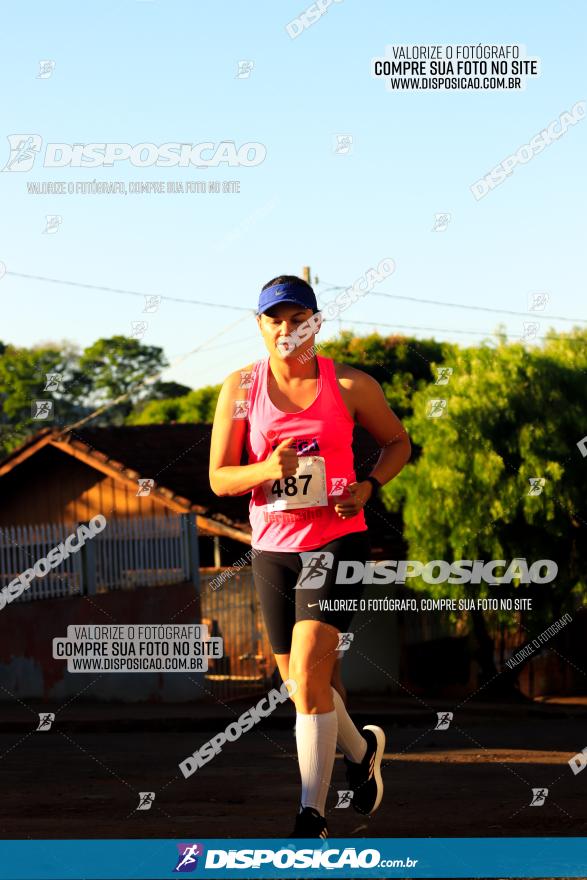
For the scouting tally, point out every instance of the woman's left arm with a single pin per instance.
(373, 413)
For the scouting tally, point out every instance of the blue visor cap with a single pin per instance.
(288, 292)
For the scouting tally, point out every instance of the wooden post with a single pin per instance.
(217, 557)
(190, 548)
(88, 566)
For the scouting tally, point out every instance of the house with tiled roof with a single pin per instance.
(147, 471)
(166, 530)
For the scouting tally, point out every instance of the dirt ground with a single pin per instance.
(473, 780)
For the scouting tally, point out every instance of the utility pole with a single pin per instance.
(306, 275)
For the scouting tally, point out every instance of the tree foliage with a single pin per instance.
(401, 365)
(118, 366)
(513, 414)
(103, 371)
(196, 406)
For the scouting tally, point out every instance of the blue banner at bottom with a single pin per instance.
(502, 857)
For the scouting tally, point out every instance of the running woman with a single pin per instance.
(294, 412)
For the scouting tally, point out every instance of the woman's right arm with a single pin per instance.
(227, 475)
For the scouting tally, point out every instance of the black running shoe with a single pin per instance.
(309, 823)
(364, 779)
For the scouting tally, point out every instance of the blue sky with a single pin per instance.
(156, 72)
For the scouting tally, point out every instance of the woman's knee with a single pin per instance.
(307, 678)
(315, 639)
(313, 694)
(314, 644)
(310, 666)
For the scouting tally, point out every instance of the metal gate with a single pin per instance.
(233, 612)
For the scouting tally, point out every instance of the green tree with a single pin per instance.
(400, 364)
(200, 405)
(162, 390)
(121, 365)
(80, 383)
(512, 415)
(23, 379)
(197, 406)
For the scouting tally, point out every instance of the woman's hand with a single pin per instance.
(283, 461)
(359, 494)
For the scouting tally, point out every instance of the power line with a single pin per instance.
(445, 330)
(193, 302)
(219, 305)
(436, 302)
(151, 378)
(234, 342)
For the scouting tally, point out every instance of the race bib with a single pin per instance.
(305, 488)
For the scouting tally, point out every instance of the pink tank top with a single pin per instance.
(297, 513)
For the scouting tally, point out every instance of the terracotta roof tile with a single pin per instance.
(176, 456)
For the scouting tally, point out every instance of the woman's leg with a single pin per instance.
(312, 646)
(282, 661)
(336, 681)
(363, 750)
(311, 663)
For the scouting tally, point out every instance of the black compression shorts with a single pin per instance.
(291, 586)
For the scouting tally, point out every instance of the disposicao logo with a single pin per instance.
(188, 857)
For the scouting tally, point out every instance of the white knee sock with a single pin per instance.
(351, 742)
(316, 741)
